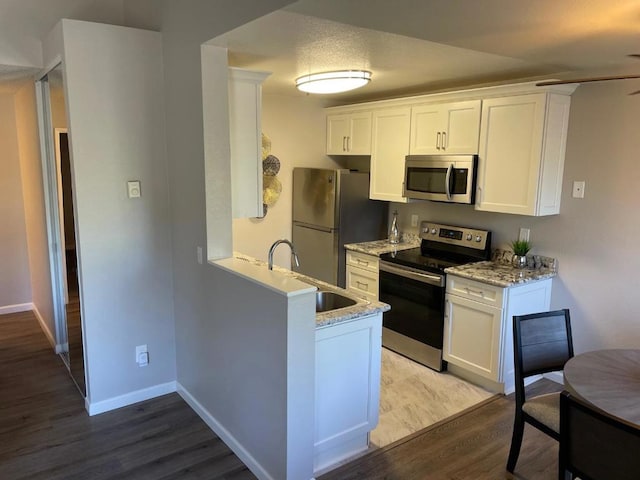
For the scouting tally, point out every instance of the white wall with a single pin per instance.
(595, 238)
(15, 283)
(116, 125)
(33, 193)
(296, 127)
(253, 377)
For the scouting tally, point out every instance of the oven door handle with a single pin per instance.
(413, 274)
(448, 182)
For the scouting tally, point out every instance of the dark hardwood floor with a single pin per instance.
(472, 445)
(45, 433)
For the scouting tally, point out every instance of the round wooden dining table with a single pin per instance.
(607, 379)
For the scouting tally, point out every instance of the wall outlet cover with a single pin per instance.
(133, 189)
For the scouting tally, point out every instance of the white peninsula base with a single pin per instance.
(348, 358)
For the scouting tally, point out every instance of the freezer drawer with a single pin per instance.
(318, 252)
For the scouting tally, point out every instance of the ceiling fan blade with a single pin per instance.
(634, 55)
(635, 93)
(586, 80)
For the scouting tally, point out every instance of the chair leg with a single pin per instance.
(516, 442)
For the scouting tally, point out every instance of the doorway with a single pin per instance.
(61, 226)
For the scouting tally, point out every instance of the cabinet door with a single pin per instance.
(338, 129)
(347, 388)
(510, 154)
(426, 129)
(390, 145)
(461, 127)
(472, 336)
(359, 141)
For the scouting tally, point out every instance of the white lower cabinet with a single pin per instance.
(347, 388)
(362, 275)
(478, 330)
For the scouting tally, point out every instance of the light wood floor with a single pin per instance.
(45, 433)
(412, 397)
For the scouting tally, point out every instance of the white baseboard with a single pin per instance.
(129, 398)
(47, 332)
(19, 307)
(237, 448)
(557, 377)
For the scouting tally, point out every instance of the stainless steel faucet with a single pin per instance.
(273, 248)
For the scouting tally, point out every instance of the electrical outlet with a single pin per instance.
(142, 355)
(578, 189)
(524, 234)
(414, 220)
(133, 189)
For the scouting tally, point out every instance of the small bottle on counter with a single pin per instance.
(394, 234)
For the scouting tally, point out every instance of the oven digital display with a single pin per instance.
(452, 234)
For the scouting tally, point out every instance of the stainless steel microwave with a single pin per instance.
(443, 178)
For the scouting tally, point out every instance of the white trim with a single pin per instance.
(224, 434)
(557, 377)
(18, 307)
(47, 331)
(129, 398)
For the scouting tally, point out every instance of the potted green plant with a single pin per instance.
(520, 249)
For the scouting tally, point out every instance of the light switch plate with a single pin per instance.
(524, 234)
(414, 220)
(133, 188)
(578, 189)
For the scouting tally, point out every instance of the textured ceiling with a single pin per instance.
(414, 46)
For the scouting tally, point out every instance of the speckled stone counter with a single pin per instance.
(378, 247)
(501, 273)
(362, 307)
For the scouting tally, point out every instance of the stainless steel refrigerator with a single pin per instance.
(332, 208)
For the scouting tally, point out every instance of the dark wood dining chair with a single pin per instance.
(541, 343)
(594, 445)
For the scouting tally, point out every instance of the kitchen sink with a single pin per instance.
(326, 301)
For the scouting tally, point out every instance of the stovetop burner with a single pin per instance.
(414, 258)
(443, 246)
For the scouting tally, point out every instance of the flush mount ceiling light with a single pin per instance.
(333, 82)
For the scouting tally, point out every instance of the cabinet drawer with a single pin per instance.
(476, 291)
(362, 260)
(362, 282)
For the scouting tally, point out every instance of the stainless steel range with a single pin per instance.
(413, 282)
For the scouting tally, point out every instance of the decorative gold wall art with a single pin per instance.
(271, 186)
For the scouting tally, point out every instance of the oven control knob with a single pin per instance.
(433, 231)
(469, 237)
(478, 238)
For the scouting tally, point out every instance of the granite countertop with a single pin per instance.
(501, 273)
(378, 247)
(362, 307)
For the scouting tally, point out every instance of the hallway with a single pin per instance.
(46, 434)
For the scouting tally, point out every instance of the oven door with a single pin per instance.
(414, 327)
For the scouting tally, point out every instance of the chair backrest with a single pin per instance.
(541, 343)
(595, 445)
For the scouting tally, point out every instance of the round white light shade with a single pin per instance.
(333, 82)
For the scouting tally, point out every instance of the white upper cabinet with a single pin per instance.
(521, 155)
(390, 145)
(349, 134)
(245, 130)
(445, 128)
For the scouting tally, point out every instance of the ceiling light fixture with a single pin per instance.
(333, 82)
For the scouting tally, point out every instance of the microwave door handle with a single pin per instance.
(448, 182)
